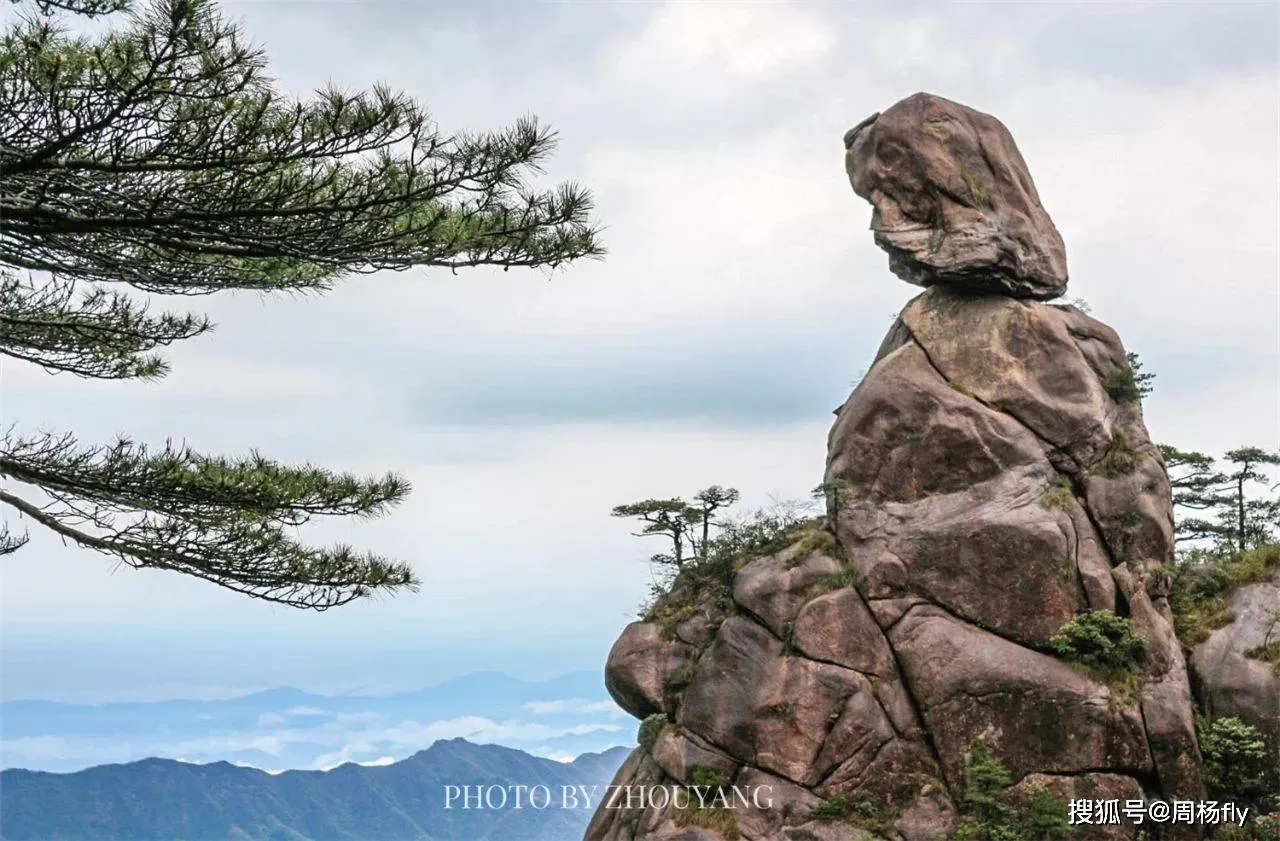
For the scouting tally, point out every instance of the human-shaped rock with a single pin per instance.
(954, 201)
(990, 483)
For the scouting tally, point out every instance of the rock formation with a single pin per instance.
(954, 203)
(1230, 683)
(988, 480)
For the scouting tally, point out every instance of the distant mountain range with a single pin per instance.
(287, 728)
(161, 799)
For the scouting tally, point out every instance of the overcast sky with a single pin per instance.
(741, 297)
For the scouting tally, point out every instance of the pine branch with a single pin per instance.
(88, 8)
(217, 519)
(10, 543)
(159, 156)
(104, 335)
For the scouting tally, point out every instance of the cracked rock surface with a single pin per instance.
(954, 201)
(987, 482)
(1230, 682)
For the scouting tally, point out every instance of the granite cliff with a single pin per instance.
(990, 485)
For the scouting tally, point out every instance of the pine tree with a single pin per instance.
(687, 525)
(158, 158)
(1249, 521)
(1198, 486)
(1225, 503)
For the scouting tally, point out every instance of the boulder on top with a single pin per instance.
(954, 201)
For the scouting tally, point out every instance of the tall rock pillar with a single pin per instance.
(989, 480)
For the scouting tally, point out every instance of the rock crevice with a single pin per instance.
(993, 485)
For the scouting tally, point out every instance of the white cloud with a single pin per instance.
(904, 46)
(304, 711)
(368, 738)
(574, 705)
(486, 731)
(349, 753)
(550, 707)
(719, 46)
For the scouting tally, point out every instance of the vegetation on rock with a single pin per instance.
(722, 821)
(1061, 495)
(687, 525)
(829, 584)
(1232, 544)
(704, 810)
(1238, 767)
(862, 813)
(1269, 650)
(992, 812)
(1119, 460)
(1129, 384)
(1263, 826)
(1100, 639)
(1102, 644)
(1204, 579)
(701, 579)
(650, 729)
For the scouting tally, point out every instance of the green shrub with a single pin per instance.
(704, 584)
(1099, 639)
(829, 584)
(700, 776)
(990, 812)
(763, 533)
(1267, 653)
(1128, 384)
(702, 581)
(650, 730)
(1044, 815)
(1237, 766)
(1254, 565)
(836, 808)
(861, 813)
(724, 822)
(1258, 827)
(1119, 459)
(1061, 495)
(817, 541)
(985, 778)
(717, 818)
(1204, 580)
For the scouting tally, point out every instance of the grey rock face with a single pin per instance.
(1231, 684)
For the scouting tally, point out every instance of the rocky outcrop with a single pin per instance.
(1230, 683)
(954, 202)
(995, 489)
(988, 480)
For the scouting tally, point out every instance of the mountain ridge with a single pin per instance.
(283, 727)
(158, 798)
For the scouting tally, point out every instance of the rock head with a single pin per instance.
(954, 201)
(990, 482)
